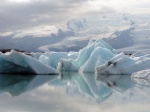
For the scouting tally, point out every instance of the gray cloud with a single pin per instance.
(14, 16)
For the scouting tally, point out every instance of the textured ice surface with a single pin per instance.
(142, 77)
(15, 62)
(94, 54)
(36, 55)
(97, 57)
(52, 58)
(123, 64)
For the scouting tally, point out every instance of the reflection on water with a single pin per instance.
(14, 85)
(72, 92)
(97, 88)
(17, 84)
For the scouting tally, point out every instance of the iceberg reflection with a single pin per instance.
(117, 83)
(18, 84)
(96, 88)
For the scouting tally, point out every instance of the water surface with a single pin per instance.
(72, 92)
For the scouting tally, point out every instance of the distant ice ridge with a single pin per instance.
(16, 62)
(94, 54)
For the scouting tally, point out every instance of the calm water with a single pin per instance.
(72, 92)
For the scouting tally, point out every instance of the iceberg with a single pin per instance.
(16, 62)
(52, 58)
(123, 64)
(94, 54)
(97, 57)
(141, 77)
(36, 55)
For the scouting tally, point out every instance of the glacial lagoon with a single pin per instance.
(72, 92)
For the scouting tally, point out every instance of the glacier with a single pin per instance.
(16, 62)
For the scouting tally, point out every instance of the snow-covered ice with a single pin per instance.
(142, 77)
(123, 64)
(16, 62)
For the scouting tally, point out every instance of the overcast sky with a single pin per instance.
(24, 14)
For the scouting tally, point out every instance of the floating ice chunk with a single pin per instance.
(90, 51)
(15, 62)
(53, 58)
(142, 77)
(122, 64)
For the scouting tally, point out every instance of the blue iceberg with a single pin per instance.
(16, 62)
(94, 54)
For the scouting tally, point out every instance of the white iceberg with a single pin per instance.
(123, 64)
(94, 54)
(52, 58)
(142, 77)
(36, 55)
(97, 57)
(16, 62)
